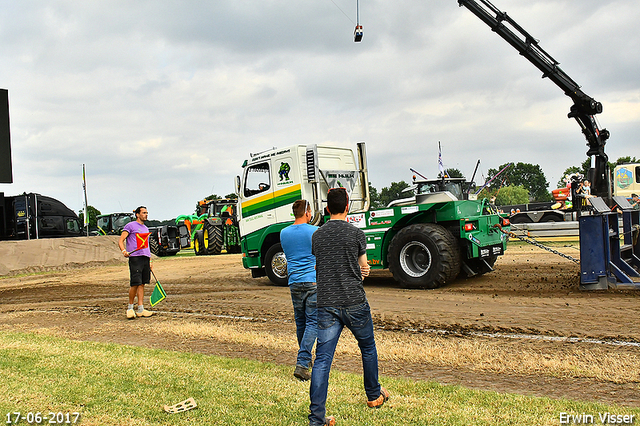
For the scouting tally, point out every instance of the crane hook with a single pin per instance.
(358, 32)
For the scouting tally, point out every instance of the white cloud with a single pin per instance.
(164, 100)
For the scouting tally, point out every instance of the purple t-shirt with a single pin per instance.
(134, 228)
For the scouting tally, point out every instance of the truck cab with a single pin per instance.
(272, 180)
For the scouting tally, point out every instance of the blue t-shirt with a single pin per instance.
(138, 233)
(296, 243)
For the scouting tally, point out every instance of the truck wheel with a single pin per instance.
(212, 238)
(521, 219)
(275, 265)
(424, 255)
(551, 218)
(154, 246)
(198, 242)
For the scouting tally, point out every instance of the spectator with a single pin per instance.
(301, 267)
(341, 262)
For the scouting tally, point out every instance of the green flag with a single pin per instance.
(158, 294)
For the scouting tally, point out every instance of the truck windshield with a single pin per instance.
(73, 227)
(257, 179)
(454, 188)
(103, 222)
(121, 221)
(439, 186)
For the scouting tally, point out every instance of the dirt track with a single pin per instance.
(531, 292)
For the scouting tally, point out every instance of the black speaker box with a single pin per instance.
(6, 172)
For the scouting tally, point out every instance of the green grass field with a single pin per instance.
(125, 385)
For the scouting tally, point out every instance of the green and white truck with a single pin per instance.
(426, 240)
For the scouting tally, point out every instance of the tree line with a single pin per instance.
(520, 183)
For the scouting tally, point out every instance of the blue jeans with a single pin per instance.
(331, 321)
(304, 297)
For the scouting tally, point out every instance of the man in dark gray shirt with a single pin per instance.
(341, 264)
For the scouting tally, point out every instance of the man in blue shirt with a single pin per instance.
(301, 267)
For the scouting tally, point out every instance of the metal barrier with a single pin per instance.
(546, 229)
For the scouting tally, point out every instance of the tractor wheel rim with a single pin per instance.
(415, 259)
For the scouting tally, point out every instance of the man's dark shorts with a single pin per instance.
(139, 270)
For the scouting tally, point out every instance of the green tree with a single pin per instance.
(93, 213)
(374, 197)
(393, 192)
(487, 193)
(529, 176)
(512, 194)
(583, 170)
(453, 173)
(586, 165)
(623, 160)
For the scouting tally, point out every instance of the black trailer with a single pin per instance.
(34, 216)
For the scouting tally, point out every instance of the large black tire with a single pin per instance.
(198, 243)
(154, 246)
(275, 265)
(212, 238)
(551, 218)
(521, 219)
(424, 255)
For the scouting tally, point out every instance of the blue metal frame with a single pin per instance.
(605, 260)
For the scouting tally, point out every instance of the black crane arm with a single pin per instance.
(584, 106)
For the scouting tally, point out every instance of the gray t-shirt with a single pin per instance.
(337, 246)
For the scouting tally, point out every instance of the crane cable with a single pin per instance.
(345, 14)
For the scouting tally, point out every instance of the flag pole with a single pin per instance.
(86, 205)
(443, 171)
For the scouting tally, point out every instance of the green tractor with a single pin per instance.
(216, 227)
(113, 224)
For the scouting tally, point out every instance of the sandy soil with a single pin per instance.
(532, 293)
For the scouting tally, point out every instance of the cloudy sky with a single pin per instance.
(163, 100)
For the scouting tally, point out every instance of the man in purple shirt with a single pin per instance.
(136, 237)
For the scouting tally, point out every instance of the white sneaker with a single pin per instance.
(144, 313)
(131, 314)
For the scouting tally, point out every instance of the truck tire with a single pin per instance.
(275, 265)
(424, 255)
(154, 246)
(551, 218)
(212, 238)
(521, 219)
(198, 243)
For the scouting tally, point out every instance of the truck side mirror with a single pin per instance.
(237, 186)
